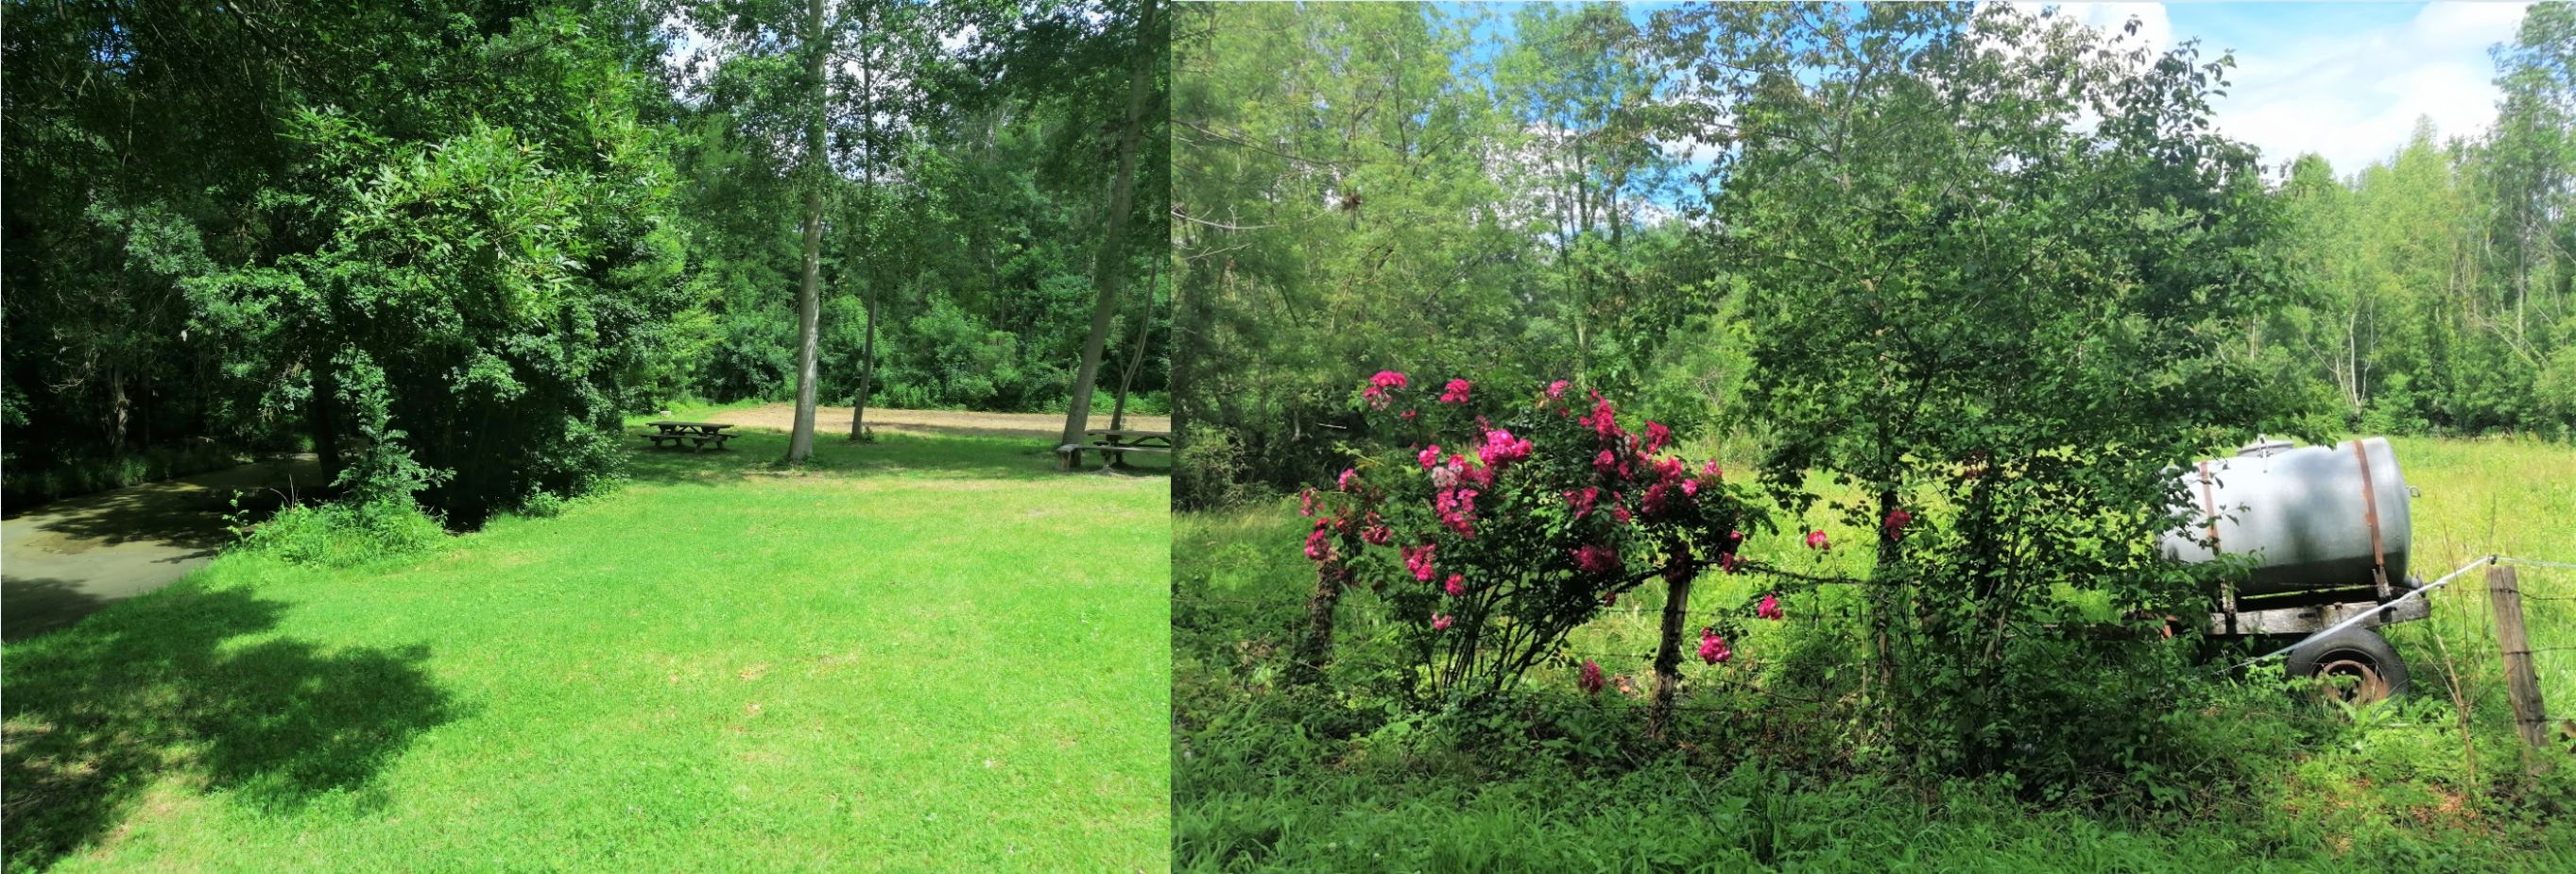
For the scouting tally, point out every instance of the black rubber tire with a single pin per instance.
(2349, 651)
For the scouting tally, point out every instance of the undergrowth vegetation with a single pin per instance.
(1770, 763)
(345, 534)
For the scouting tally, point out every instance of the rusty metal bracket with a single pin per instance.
(2370, 517)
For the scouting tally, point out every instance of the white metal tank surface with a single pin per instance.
(2305, 513)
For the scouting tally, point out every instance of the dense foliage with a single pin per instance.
(1532, 193)
(447, 245)
(2442, 281)
(1995, 320)
(969, 195)
(1967, 280)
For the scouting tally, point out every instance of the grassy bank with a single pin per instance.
(1268, 778)
(925, 654)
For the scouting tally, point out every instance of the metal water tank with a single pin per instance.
(2312, 517)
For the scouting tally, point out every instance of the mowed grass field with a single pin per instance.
(924, 654)
(2393, 790)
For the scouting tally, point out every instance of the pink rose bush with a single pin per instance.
(1502, 516)
(1712, 648)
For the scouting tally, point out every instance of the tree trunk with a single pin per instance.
(809, 307)
(867, 219)
(867, 371)
(326, 426)
(1108, 271)
(1136, 352)
(1668, 654)
(1316, 648)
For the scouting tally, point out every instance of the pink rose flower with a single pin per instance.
(1770, 606)
(1502, 448)
(1816, 540)
(1556, 389)
(1603, 421)
(1319, 545)
(1348, 479)
(1456, 509)
(1418, 560)
(1581, 500)
(1896, 522)
(1456, 586)
(1712, 648)
(1430, 455)
(1656, 436)
(1595, 559)
(1388, 379)
(1590, 682)
(1455, 392)
(1440, 622)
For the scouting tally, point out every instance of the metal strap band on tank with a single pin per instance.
(2370, 507)
(2209, 504)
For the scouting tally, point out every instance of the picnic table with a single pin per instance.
(698, 434)
(1114, 444)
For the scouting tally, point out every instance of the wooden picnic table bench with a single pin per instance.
(698, 434)
(1114, 444)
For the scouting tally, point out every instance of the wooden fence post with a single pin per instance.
(1668, 651)
(2521, 683)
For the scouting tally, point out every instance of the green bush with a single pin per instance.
(1208, 468)
(347, 533)
(542, 505)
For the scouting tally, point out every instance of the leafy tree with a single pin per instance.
(1110, 269)
(1993, 267)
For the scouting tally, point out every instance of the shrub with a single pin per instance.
(542, 505)
(347, 533)
(1511, 517)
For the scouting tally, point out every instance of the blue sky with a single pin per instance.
(2344, 80)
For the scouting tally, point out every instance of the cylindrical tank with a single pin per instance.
(2302, 512)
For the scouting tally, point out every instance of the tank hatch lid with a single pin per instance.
(2264, 446)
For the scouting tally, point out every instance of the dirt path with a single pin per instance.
(65, 560)
(836, 420)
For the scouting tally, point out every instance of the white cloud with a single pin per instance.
(2155, 30)
(2353, 97)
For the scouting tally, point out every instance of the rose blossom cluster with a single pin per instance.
(1626, 497)
(1381, 387)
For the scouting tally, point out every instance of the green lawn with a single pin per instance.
(923, 655)
(1268, 779)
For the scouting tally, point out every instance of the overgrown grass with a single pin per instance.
(1268, 778)
(921, 654)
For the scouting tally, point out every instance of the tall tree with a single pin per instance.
(1992, 262)
(814, 170)
(1110, 268)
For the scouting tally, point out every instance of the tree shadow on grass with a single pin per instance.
(759, 451)
(35, 605)
(100, 712)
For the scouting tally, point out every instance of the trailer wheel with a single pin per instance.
(2376, 672)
